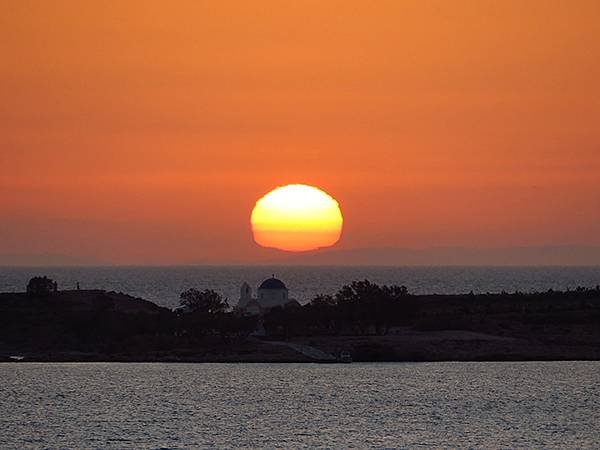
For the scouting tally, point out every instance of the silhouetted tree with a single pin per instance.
(205, 312)
(283, 322)
(359, 308)
(232, 326)
(203, 302)
(40, 286)
(366, 305)
(322, 314)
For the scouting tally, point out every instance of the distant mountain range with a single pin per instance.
(451, 256)
(565, 255)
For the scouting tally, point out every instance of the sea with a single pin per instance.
(163, 285)
(358, 405)
(370, 405)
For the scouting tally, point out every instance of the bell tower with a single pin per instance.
(245, 294)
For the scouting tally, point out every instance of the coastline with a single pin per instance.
(431, 347)
(100, 326)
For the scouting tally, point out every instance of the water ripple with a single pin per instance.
(481, 405)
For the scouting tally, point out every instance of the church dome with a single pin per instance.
(272, 283)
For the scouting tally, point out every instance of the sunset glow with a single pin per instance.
(296, 217)
(142, 133)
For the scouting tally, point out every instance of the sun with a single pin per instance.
(296, 218)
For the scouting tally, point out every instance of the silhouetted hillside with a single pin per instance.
(371, 322)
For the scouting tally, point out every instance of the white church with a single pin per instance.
(271, 292)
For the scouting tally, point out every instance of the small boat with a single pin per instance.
(345, 357)
(16, 358)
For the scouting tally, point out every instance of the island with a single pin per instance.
(361, 322)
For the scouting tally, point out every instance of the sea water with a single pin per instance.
(163, 285)
(477, 405)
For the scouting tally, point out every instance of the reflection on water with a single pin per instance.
(109, 405)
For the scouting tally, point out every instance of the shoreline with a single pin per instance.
(100, 326)
(267, 361)
(432, 347)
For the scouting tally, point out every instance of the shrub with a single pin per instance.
(40, 286)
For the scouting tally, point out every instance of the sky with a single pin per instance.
(144, 132)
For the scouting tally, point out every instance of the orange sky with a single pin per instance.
(144, 132)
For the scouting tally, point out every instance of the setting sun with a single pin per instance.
(297, 218)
